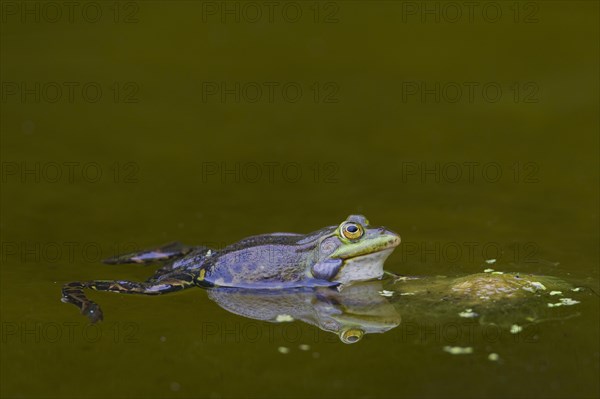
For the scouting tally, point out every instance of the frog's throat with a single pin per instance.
(363, 267)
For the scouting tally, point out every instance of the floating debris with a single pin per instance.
(488, 270)
(283, 350)
(386, 293)
(515, 329)
(468, 313)
(563, 302)
(458, 350)
(555, 292)
(304, 347)
(534, 286)
(493, 357)
(407, 293)
(538, 285)
(576, 289)
(490, 261)
(284, 318)
(497, 272)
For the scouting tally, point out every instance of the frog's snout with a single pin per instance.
(393, 239)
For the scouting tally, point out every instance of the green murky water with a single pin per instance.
(474, 135)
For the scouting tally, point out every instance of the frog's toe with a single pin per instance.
(93, 312)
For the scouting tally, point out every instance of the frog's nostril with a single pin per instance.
(394, 240)
(385, 232)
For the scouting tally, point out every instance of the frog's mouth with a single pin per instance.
(387, 246)
(369, 248)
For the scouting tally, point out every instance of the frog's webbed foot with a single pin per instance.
(169, 251)
(92, 311)
(73, 292)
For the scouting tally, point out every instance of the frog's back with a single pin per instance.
(271, 261)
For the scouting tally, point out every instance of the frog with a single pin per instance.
(334, 256)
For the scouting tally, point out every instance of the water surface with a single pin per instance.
(179, 146)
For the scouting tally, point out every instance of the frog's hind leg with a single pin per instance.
(163, 253)
(73, 292)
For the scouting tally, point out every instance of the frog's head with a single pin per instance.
(353, 251)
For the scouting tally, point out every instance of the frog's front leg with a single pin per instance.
(73, 292)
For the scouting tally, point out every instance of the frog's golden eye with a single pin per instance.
(351, 336)
(352, 231)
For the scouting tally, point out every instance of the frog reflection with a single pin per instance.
(350, 313)
(501, 299)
